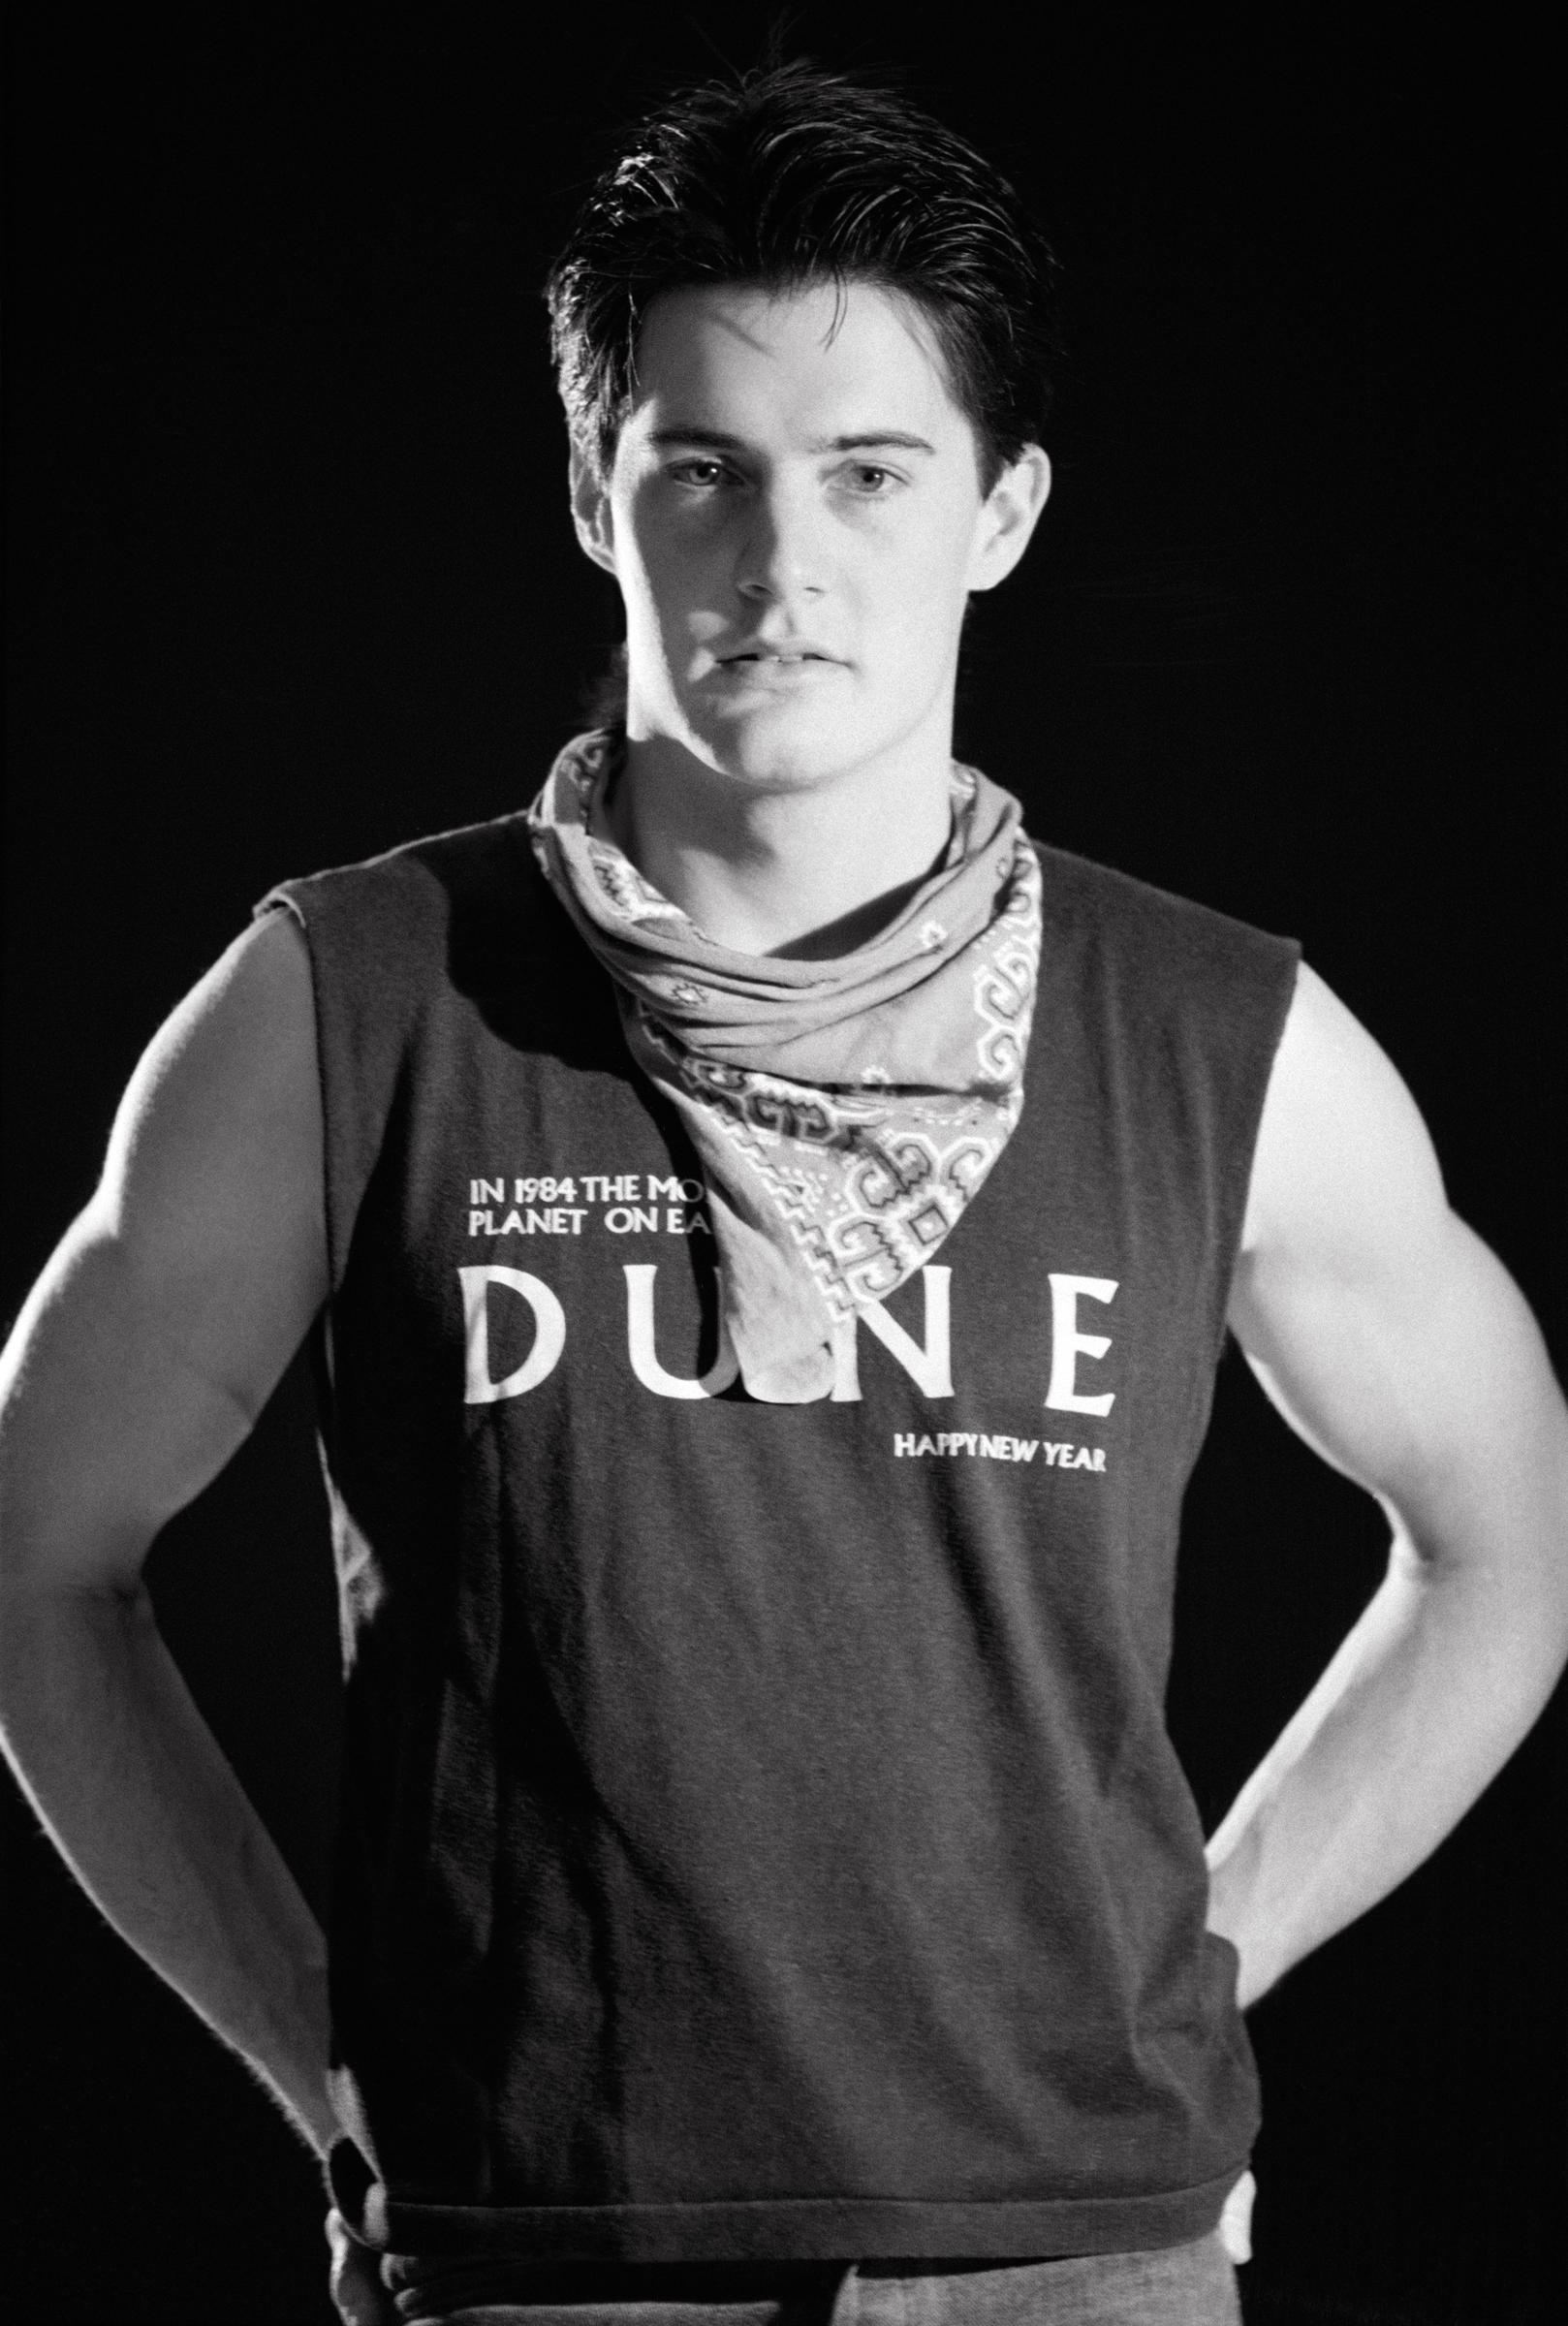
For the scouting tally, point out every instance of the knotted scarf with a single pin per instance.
(843, 1111)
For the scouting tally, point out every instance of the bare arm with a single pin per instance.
(1398, 1347)
(141, 1361)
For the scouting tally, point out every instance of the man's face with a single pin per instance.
(796, 521)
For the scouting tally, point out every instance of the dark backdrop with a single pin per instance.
(291, 579)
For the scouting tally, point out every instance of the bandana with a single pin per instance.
(844, 1112)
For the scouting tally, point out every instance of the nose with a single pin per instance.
(782, 551)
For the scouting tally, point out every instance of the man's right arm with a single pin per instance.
(138, 1364)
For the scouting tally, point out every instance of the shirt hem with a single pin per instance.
(798, 2229)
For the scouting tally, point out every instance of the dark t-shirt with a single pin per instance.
(760, 1838)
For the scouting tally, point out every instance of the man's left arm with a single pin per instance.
(1399, 1348)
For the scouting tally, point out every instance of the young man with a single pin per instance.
(768, 1230)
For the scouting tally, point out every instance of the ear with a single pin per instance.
(591, 512)
(1009, 518)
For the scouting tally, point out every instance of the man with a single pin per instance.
(770, 1230)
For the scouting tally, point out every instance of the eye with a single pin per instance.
(698, 472)
(869, 482)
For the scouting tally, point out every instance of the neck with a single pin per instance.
(807, 873)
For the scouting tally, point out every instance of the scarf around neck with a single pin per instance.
(844, 1112)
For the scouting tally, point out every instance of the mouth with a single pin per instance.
(778, 658)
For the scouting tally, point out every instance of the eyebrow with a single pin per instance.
(878, 440)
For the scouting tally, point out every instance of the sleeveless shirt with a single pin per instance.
(759, 1837)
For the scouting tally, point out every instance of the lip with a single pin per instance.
(772, 667)
(780, 652)
(772, 677)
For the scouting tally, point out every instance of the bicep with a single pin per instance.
(173, 1304)
(1388, 1336)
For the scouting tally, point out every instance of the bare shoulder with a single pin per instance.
(171, 1306)
(212, 1184)
(224, 1101)
(1379, 1323)
(1344, 1168)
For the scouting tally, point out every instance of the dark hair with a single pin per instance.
(789, 176)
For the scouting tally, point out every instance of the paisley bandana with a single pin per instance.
(844, 1112)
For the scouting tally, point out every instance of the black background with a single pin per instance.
(291, 579)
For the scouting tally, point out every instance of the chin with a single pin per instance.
(779, 749)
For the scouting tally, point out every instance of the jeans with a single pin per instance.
(1177, 2285)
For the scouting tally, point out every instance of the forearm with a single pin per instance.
(1430, 1693)
(138, 1799)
